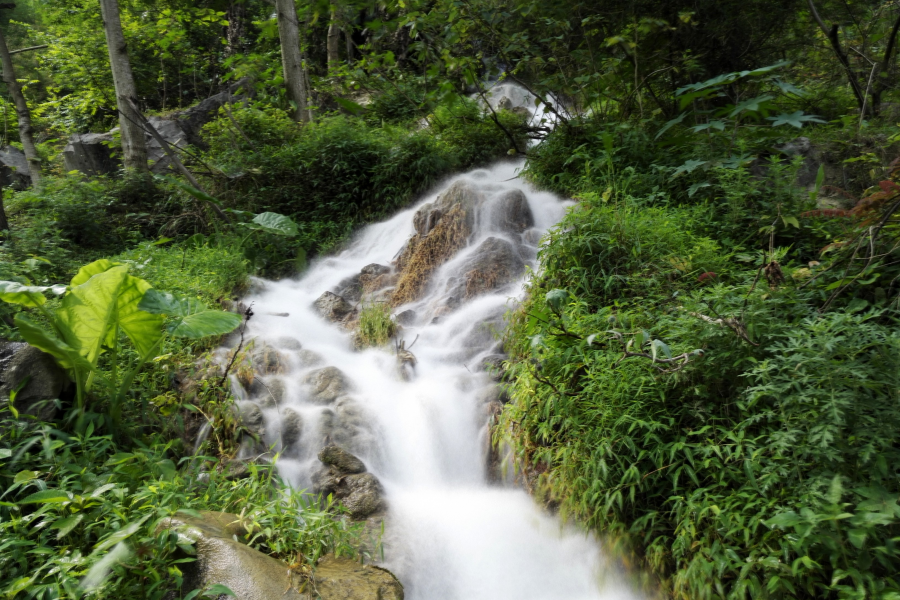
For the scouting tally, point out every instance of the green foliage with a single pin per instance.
(376, 327)
(80, 515)
(693, 404)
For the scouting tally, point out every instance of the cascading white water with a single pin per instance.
(452, 534)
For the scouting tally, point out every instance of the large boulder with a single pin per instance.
(39, 380)
(340, 459)
(345, 579)
(494, 264)
(14, 170)
(224, 558)
(442, 230)
(92, 154)
(510, 213)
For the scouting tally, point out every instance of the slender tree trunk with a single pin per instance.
(291, 59)
(134, 145)
(4, 222)
(234, 33)
(333, 45)
(25, 130)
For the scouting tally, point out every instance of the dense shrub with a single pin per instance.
(755, 455)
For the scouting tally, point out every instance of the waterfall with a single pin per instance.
(453, 532)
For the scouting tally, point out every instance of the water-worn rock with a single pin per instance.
(267, 360)
(407, 317)
(510, 212)
(332, 307)
(291, 431)
(350, 289)
(289, 343)
(222, 559)
(340, 459)
(442, 229)
(250, 417)
(494, 264)
(345, 579)
(46, 381)
(325, 385)
(308, 358)
(269, 392)
(14, 170)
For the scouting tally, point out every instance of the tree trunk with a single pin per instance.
(333, 45)
(4, 222)
(24, 115)
(291, 59)
(134, 145)
(234, 33)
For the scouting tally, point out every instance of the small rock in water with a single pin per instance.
(332, 307)
(267, 360)
(341, 460)
(308, 358)
(269, 393)
(289, 343)
(406, 318)
(345, 579)
(325, 385)
(532, 236)
(510, 212)
(291, 430)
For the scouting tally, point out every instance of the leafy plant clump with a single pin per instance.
(376, 327)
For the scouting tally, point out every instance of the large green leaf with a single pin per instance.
(47, 497)
(30, 296)
(93, 312)
(273, 223)
(194, 319)
(67, 356)
(795, 119)
(94, 268)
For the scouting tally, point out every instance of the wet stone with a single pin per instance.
(325, 385)
(308, 358)
(289, 343)
(341, 460)
(332, 307)
(291, 430)
(406, 318)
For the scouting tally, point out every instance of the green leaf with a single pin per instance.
(660, 346)
(94, 311)
(95, 268)
(122, 534)
(29, 296)
(857, 537)
(198, 194)
(689, 167)
(351, 107)
(791, 221)
(556, 299)
(5, 453)
(795, 119)
(66, 525)
(195, 319)
(218, 590)
(23, 476)
(751, 105)
(67, 356)
(784, 520)
(676, 121)
(46, 497)
(273, 223)
(697, 187)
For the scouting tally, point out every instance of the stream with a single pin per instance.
(454, 529)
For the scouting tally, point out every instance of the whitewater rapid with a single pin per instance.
(452, 534)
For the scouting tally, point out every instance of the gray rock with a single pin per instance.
(345, 477)
(91, 154)
(308, 358)
(332, 307)
(406, 318)
(361, 494)
(289, 343)
(375, 269)
(46, 381)
(325, 385)
(269, 393)
(345, 579)
(532, 237)
(494, 264)
(341, 460)
(350, 289)
(510, 212)
(812, 159)
(291, 430)
(266, 360)
(14, 171)
(250, 417)
(493, 365)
